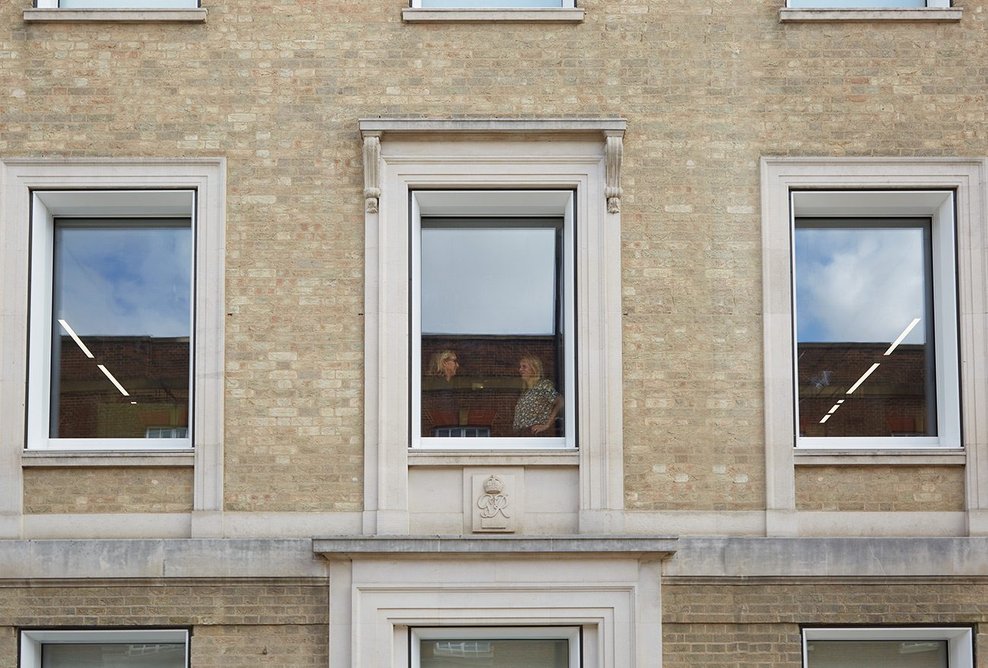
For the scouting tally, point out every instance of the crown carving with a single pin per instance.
(493, 485)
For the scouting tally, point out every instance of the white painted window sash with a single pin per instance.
(33, 642)
(117, 4)
(939, 206)
(496, 4)
(959, 639)
(491, 203)
(569, 633)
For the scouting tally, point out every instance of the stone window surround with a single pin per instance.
(381, 586)
(964, 176)
(401, 155)
(18, 178)
(960, 640)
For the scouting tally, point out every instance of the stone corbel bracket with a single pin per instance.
(372, 171)
(612, 129)
(613, 154)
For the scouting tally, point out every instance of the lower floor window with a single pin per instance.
(899, 647)
(502, 647)
(137, 648)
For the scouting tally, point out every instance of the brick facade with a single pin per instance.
(707, 87)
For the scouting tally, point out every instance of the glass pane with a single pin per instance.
(135, 655)
(486, 4)
(876, 653)
(864, 329)
(492, 344)
(525, 653)
(128, 4)
(842, 4)
(121, 329)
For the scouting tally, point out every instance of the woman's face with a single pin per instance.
(450, 365)
(526, 369)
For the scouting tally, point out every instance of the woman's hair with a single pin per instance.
(536, 365)
(437, 361)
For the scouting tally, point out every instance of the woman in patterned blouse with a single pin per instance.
(538, 407)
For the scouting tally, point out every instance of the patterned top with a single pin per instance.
(535, 406)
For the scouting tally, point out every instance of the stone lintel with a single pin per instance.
(557, 547)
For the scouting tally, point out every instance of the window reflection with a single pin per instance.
(872, 653)
(116, 655)
(864, 328)
(121, 307)
(521, 653)
(492, 344)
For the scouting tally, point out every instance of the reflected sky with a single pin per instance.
(841, 4)
(170, 4)
(124, 280)
(488, 281)
(860, 284)
(490, 3)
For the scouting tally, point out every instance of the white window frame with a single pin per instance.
(33, 641)
(960, 645)
(501, 204)
(874, 4)
(135, 4)
(46, 206)
(569, 633)
(481, 4)
(939, 207)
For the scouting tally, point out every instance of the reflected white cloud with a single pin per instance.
(130, 281)
(860, 285)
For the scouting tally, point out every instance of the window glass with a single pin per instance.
(492, 342)
(121, 325)
(876, 653)
(520, 653)
(865, 361)
(489, 4)
(116, 655)
(128, 4)
(844, 4)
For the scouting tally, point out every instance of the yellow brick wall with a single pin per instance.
(758, 624)
(108, 490)
(880, 488)
(234, 624)
(707, 87)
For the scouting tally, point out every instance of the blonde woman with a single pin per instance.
(540, 404)
(445, 364)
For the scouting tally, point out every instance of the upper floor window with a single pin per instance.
(875, 320)
(111, 327)
(494, 4)
(493, 319)
(120, 326)
(117, 4)
(868, 4)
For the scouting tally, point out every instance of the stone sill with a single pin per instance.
(924, 457)
(392, 547)
(35, 15)
(95, 459)
(941, 15)
(512, 15)
(422, 457)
